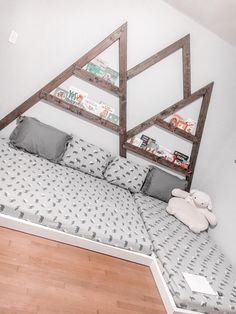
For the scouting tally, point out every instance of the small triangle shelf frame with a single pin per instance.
(76, 69)
(159, 119)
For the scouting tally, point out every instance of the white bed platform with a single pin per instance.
(52, 234)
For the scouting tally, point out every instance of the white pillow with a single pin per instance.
(86, 157)
(126, 174)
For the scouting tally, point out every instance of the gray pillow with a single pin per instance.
(38, 138)
(159, 184)
(126, 174)
(86, 157)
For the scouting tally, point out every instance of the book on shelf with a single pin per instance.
(105, 110)
(111, 75)
(181, 159)
(112, 117)
(165, 153)
(100, 109)
(186, 124)
(61, 93)
(135, 140)
(146, 141)
(73, 96)
(102, 69)
(76, 96)
(91, 105)
(180, 156)
(97, 67)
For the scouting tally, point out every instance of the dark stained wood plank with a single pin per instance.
(157, 57)
(97, 81)
(34, 272)
(186, 62)
(199, 131)
(107, 42)
(155, 158)
(81, 112)
(123, 88)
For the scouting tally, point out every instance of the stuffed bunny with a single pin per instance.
(192, 209)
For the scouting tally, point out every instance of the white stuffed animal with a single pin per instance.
(192, 209)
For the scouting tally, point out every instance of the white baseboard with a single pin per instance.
(53, 234)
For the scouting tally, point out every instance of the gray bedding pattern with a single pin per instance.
(86, 157)
(56, 196)
(180, 250)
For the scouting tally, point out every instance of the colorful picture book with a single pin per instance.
(182, 123)
(181, 160)
(102, 69)
(97, 67)
(74, 96)
(147, 141)
(91, 106)
(111, 75)
(78, 97)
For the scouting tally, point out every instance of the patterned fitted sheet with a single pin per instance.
(180, 250)
(34, 189)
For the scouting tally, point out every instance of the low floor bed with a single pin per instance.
(59, 197)
(50, 195)
(180, 250)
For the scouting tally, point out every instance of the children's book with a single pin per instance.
(97, 67)
(146, 141)
(76, 96)
(136, 141)
(111, 75)
(91, 106)
(61, 93)
(112, 117)
(105, 110)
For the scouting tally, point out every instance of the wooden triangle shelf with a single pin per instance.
(77, 69)
(156, 159)
(159, 119)
(81, 112)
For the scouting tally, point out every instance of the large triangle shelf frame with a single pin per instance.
(76, 69)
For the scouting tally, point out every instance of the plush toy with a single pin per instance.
(192, 209)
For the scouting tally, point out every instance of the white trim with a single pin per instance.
(53, 234)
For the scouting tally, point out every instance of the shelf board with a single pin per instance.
(97, 81)
(81, 112)
(169, 127)
(155, 158)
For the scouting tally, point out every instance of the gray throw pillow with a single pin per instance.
(126, 174)
(159, 184)
(86, 157)
(38, 138)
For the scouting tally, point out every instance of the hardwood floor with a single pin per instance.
(39, 276)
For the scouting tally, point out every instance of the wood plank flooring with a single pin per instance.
(39, 276)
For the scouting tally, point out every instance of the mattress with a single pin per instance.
(36, 190)
(180, 250)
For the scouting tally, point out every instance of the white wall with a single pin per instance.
(53, 34)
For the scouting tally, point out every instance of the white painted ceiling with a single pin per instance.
(219, 16)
